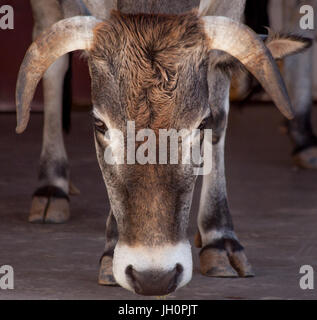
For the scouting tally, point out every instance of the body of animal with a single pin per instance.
(162, 65)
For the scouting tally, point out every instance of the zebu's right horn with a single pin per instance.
(67, 35)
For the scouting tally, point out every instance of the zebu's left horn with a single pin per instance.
(67, 35)
(241, 42)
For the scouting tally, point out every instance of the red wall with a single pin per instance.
(13, 45)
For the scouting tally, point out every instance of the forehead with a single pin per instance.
(150, 68)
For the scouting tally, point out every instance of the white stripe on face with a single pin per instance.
(163, 258)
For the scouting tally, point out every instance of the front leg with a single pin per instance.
(105, 273)
(222, 255)
(50, 203)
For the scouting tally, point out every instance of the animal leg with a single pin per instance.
(105, 273)
(222, 255)
(50, 202)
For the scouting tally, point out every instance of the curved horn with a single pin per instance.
(67, 35)
(242, 43)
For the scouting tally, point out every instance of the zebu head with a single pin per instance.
(150, 69)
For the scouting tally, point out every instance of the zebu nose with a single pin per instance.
(156, 270)
(154, 282)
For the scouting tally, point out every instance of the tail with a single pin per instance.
(67, 97)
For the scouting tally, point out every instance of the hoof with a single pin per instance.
(215, 263)
(240, 262)
(49, 205)
(105, 273)
(307, 158)
(225, 259)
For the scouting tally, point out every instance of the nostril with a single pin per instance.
(179, 269)
(130, 272)
(154, 282)
(176, 279)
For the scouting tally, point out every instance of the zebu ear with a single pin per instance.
(67, 35)
(245, 45)
(283, 45)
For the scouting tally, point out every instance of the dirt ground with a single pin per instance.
(274, 207)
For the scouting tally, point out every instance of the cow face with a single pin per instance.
(151, 71)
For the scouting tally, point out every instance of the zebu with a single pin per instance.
(163, 65)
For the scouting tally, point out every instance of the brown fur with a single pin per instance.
(152, 51)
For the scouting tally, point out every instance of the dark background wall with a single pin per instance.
(13, 45)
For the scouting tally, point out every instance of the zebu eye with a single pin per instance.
(100, 126)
